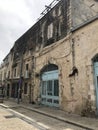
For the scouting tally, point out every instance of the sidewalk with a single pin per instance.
(88, 123)
(9, 121)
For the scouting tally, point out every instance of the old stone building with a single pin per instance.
(55, 62)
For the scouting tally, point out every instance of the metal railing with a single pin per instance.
(48, 8)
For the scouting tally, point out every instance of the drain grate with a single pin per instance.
(10, 116)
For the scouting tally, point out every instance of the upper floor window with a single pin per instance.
(27, 66)
(15, 72)
(8, 74)
(4, 75)
(50, 31)
(59, 29)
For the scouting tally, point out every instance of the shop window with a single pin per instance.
(25, 88)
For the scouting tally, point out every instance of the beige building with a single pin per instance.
(76, 59)
(55, 62)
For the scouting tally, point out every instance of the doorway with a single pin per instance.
(8, 90)
(50, 87)
(96, 83)
(14, 91)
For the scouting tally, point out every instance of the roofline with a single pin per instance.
(84, 24)
(39, 19)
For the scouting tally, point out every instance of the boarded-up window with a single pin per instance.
(50, 31)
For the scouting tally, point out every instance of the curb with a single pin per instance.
(61, 118)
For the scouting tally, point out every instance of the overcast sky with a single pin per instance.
(16, 17)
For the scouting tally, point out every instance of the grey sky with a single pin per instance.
(17, 16)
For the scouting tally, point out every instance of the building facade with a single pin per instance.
(55, 62)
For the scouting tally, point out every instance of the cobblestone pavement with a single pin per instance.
(29, 110)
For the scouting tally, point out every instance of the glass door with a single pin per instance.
(96, 83)
(50, 89)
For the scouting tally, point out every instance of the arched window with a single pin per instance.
(95, 58)
(49, 67)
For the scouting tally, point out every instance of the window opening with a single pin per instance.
(50, 31)
(27, 66)
(25, 88)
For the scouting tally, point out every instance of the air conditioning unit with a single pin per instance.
(27, 74)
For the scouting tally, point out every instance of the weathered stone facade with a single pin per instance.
(85, 44)
(75, 91)
(53, 62)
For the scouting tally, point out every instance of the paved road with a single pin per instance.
(47, 122)
(10, 120)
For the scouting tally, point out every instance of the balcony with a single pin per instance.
(16, 77)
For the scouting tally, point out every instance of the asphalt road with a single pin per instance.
(44, 121)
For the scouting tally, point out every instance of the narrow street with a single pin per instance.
(20, 118)
(49, 65)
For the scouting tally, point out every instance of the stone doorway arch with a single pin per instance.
(50, 85)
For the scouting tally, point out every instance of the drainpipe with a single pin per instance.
(20, 78)
(32, 80)
(73, 52)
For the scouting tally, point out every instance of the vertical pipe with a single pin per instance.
(20, 80)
